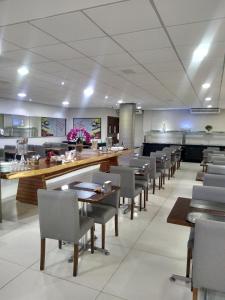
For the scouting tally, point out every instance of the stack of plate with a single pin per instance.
(6, 166)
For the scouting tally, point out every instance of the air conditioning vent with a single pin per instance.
(205, 110)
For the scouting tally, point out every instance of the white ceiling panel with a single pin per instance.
(182, 11)
(124, 17)
(24, 57)
(155, 56)
(198, 33)
(57, 52)
(166, 66)
(69, 27)
(131, 69)
(49, 67)
(96, 47)
(115, 60)
(143, 40)
(6, 46)
(26, 36)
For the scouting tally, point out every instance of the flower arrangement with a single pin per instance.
(79, 135)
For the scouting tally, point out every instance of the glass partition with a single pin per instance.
(24, 126)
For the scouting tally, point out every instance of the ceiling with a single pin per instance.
(137, 50)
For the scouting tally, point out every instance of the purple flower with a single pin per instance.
(80, 133)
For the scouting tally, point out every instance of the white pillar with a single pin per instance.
(127, 124)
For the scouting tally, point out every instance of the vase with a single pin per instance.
(79, 148)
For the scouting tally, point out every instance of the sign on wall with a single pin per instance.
(92, 125)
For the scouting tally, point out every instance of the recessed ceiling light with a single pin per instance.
(206, 85)
(23, 71)
(22, 95)
(208, 99)
(65, 102)
(62, 82)
(120, 101)
(209, 106)
(106, 97)
(139, 107)
(200, 53)
(88, 91)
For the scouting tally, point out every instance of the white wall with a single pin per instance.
(31, 109)
(92, 113)
(182, 119)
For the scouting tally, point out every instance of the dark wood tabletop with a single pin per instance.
(182, 208)
(87, 192)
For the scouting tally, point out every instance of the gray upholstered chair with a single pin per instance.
(208, 257)
(215, 169)
(203, 193)
(128, 188)
(214, 180)
(168, 163)
(105, 210)
(59, 220)
(142, 180)
(161, 165)
(153, 174)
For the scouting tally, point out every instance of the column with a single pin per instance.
(127, 124)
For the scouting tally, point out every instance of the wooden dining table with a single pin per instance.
(35, 177)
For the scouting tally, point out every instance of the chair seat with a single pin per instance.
(85, 224)
(142, 183)
(101, 213)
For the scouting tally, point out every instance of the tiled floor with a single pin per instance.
(146, 253)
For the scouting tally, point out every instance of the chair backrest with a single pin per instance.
(127, 180)
(209, 255)
(214, 180)
(216, 169)
(208, 193)
(152, 171)
(59, 215)
(100, 178)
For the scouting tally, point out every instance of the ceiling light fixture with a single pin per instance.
(200, 53)
(89, 91)
(206, 85)
(23, 71)
(106, 97)
(139, 107)
(62, 83)
(209, 106)
(65, 103)
(208, 99)
(120, 101)
(22, 95)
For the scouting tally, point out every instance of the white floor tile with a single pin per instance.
(37, 285)
(8, 272)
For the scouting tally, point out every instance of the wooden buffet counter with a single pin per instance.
(35, 178)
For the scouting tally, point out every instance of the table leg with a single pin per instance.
(0, 200)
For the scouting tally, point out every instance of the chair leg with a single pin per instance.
(42, 260)
(123, 200)
(116, 225)
(75, 259)
(132, 209)
(92, 239)
(153, 190)
(103, 236)
(60, 244)
(147, 193)
(145, 196)
(159, 183)
(140, 201)
(189, 256)
(195, 294)
(164, 177)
